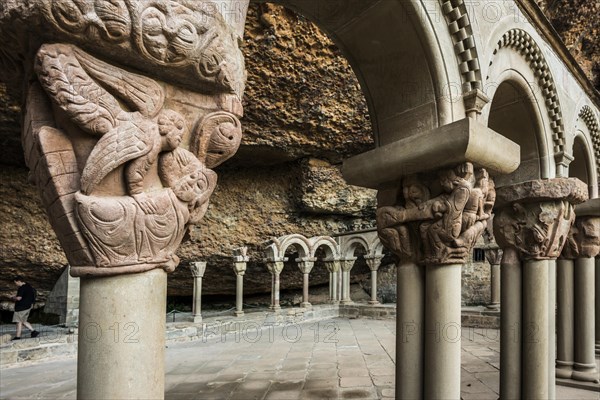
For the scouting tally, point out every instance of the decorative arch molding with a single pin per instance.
(461, 31)
(350, 243)
(324, 241)
(525, 45)
(589, 118)
(276, 247)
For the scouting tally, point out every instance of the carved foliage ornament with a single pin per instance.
(442, 229)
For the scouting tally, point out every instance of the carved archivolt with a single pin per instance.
(525, 45)
(461, 30)
(587, 115)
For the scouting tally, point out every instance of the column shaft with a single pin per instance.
(374, 287)
(410, 308)
(272, 291)
(495, 286)
(197, 306)
(442, 331)
(239, 295)
(345, 287)
(122, 337)
(510, 326)
(564, 324)
(334, 286)
(331, 286)
(584, 368)
(305, 302)
(552, 329)
(340, 285)
(535, 330)
(276, 305)
(597, 273)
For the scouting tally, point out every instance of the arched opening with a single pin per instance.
(513, 114)
(396, 57)
(582, 165)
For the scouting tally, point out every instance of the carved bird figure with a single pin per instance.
(90, 92)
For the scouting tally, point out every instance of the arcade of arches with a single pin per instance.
(482, 122)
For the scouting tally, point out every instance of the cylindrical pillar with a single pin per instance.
(510, 326)
(305, 302)
(239, 295)
(495, 287)
(597, 273)
(340, 280)
(584, 368)
(442, 331)
(272, 291)
(410, 308)
(121, 349)
(551, 329)
(276, 305)
(198, 269)
(564, 324)
(334, 286)
(535, 330)
(331, 286)
(373, 300)
(344, 299)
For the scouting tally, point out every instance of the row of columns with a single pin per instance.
(577, 305)
(339, 279)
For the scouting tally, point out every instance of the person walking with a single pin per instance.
(23, 303)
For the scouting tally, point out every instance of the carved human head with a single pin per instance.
(172, 126)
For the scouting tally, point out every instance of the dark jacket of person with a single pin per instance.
(27, 295)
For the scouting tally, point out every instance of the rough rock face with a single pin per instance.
(578, 24)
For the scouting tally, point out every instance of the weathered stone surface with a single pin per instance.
(569, 189)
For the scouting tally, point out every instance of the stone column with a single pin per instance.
(306, 265)
(534, 218)
(240, 260)
(346, 266)
(373, 262)
(597, 305)
(585, 239)
(333, 266)
(494, 258)
(275, 268)
(197, 269)
(439, 234)
(565, 324)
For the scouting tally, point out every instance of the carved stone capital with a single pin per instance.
(198, 269)
(493, 256)
(275, 267)
(306, 264)
(583, 240)
(241, 255)
(239, 267)
(373, 262)
(332, 265)
(128, 104)
(439, 229)
(347, 264)
(535, 217)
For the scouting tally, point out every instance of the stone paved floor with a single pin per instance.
(332, 359)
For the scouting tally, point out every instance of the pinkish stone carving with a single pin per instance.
(583, 239)
(535, 217)
(442, 230)
(121, 173)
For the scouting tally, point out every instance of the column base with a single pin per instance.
(374, 302)
(335, 302)
(344, 302)
(305, 305)
(238, 313)
(585, 373)
(597, 347)
(197, 319)
(564, 369)
(493, 306)
(275, 308)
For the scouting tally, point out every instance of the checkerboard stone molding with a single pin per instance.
(525, 45)
(589, 118)
(461, 30)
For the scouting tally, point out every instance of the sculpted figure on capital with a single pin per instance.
(129, 104)
(443, 229)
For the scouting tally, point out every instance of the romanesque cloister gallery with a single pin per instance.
(483, 124)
